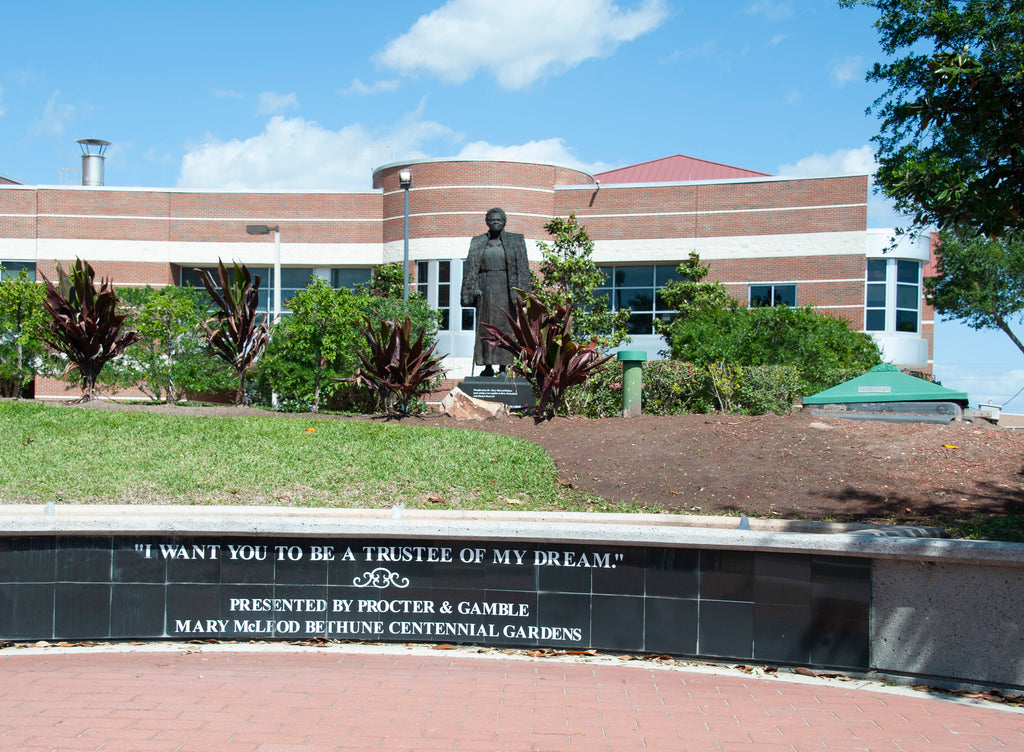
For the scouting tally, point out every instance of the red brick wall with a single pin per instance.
(450, 198)
(769, 207)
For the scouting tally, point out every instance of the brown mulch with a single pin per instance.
(798, 466)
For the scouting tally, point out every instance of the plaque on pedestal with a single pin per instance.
(515, 393)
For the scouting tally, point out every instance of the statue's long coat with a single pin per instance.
(518, 267)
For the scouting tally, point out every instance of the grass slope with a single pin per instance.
(53, 453)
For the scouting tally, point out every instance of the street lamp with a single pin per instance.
(266, 230)
(405, 181)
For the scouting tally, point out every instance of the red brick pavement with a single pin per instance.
(273, 700)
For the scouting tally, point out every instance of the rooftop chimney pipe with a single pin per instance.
(92, 160)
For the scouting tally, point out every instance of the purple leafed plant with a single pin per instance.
(84, 323)
(398, 367)
(545, 352)
(236, 333)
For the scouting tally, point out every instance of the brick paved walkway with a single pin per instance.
(192, 698)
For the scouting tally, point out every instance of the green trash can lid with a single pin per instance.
(640, 355)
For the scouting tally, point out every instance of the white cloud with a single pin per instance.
(227, 94)
(358, 88)
(272, 103)
(293, 153)
(55, 118)
(551, 150)
(847, 69)
(859, 161)
(518, 42)
(773, 11)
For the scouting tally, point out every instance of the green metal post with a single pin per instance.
(632, 381)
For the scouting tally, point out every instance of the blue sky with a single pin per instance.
(315, 94)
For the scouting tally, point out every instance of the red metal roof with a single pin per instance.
(676, 169)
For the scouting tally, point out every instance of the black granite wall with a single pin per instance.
(736, 605)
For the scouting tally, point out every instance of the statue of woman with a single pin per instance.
(495, 273)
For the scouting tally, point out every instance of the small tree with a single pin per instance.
(545, 352)
(22, 315)
(384, 296)
(171, 358)
(85, 324)
(315, 347)
(980, 280)
(236, 334)
(569, 277)
(691, 295)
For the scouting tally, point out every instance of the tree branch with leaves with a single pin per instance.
(951, 144)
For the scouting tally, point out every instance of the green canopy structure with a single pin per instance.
(884, 393)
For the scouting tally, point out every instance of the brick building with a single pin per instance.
(799, 241)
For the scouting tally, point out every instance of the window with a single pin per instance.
(772, 295)
(639, 289)
(444, 289)
(11, 269)
(349, 278)
(293, 279)
(892, 296)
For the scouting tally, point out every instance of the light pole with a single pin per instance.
(266, 230)
(405, 181)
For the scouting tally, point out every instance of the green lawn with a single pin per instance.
(54, 453)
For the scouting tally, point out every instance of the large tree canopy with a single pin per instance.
(951, 143)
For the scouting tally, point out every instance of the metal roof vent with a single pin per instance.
(93, 150)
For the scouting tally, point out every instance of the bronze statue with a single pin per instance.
(495, 274)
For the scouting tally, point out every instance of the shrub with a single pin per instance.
(672, 387)
(818, 346)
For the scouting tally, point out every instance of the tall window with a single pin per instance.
(772, 295)
(639, 289)
(444, 288)
(893, 296)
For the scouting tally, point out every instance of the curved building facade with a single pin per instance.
(769, 240)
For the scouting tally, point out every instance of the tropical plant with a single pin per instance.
(236, 334)
(545, 352)
(400, 365)
(85, 324)
(951, 144)
(569, 277)
(22, 349)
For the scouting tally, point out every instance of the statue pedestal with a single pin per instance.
(515, 393)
